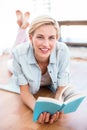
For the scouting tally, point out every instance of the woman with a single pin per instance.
(41, 61)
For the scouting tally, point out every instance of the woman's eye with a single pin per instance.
(51, 38)
(39, 37)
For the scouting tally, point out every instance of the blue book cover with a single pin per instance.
(45, 104)
(72, 105)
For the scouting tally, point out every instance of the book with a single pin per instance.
(68, 102)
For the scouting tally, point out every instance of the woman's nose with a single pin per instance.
(46, 42)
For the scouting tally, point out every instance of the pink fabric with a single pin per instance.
(21, 36)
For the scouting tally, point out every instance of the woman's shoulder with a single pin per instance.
(22, 48)
(61, 46)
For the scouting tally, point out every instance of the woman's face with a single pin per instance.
(43, 41)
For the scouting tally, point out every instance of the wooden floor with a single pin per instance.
(14, 115)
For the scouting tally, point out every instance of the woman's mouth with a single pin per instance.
(44, 50)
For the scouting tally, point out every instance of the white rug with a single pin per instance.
(10, 86)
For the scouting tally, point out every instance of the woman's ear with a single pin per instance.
(30, 37)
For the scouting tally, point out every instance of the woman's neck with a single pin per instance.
(42, 60)
(43, 66)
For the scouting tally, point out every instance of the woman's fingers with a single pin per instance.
(40, 119)
(61, 115)
(47, 118)
(44, 118)
(54, 117)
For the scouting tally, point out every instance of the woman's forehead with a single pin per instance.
(46, 29)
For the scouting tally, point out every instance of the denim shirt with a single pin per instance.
(27, 70)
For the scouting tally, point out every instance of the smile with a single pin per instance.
(44, 50)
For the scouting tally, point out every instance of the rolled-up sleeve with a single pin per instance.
(64, 67)
(17, 70)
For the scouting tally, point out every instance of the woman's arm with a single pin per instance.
(27, 97)
(22, 82)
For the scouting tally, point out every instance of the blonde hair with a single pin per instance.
(43, 20)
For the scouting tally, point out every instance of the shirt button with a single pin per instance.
(54, 82)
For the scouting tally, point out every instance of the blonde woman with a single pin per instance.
(41, 61)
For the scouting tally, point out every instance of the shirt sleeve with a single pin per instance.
(17, 70)
(64, 66)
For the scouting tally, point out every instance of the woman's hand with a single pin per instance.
(56, 116)
(44, 118)
(48, 118)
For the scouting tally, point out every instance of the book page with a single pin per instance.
(62, 96)
(48, 99)
(75, 97)
(69, 92)
(66, 93)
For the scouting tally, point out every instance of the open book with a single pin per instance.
(68, 102)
